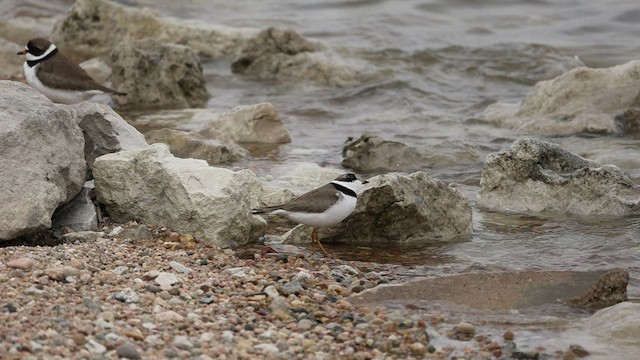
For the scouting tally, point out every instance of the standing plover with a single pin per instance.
(325, 206)
(55, 76)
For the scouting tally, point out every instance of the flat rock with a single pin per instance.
(284, 55)
(370, 153)
(534, 176)
(186, 195)
(105, 131)
(401, 209)
(187, 145)
(580, 100)
(93, 28)
(157, 75)
(497, 292)
(23, 263)
(41, 159)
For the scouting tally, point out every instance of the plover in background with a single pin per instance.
(57, 77)
(323, 207)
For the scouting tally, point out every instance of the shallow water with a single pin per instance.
(435, 65)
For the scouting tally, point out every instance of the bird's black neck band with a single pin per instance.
(345, 190)
(33, 63)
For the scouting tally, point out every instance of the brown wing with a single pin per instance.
(61, 73)
(314, 201)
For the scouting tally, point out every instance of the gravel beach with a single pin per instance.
(141, 293)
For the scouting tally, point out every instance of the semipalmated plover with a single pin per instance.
(325, 206)
(55, 76)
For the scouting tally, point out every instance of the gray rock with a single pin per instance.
(143, 233)
(400, 208)
(79, 214)
(127, 351)
(81, 237)
(185, 145)
(534, 176)
(166, 280)
(182, 342)
(155, 75)
(371, 153)
(257, 124)
(179, 267)
(116, 231)
(97, 69)
(581, 100)
(127, 295)
(186, 195)
(291, 287)
(95, 347)
(284, 55)
(105, 131)
(42, 162)
(92, 28)
(267, 347)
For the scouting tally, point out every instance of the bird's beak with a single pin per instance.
(22, 52)
(365, 182)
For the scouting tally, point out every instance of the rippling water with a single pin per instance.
(435, 65)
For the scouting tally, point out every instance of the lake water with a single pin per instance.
(437, 65)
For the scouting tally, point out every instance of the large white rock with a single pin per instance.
(617, 325)
(41, 159)
(402, 209)
(534, 176)
(105, 131)
(186, 195)
(581, 100)
(94, 27)
(157, 75)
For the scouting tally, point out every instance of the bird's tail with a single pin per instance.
(265, 210)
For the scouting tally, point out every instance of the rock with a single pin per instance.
(581, 100)
(61, 273)
(179, 267)
(305, 324)
(464, 331)
(284, 55)
(105, 131)
(127, 295)
(116, 231)
(157, 75)
(127, 351)
(10, 64)
(534, 176)
(166, 280)
(92, 28)
(610, 289)
(169, 316)
(186, 195)
(95, 347)
(257, 124)
(370, 153)
(186, 145)
(23, 263)
(266, 347)
(400, 208)
(97, 69)
(81, 237)
(617, 325)
(41, 159)
(182, 342)
(533, 292)
(579, 351)
(79, 214)
(291, 287)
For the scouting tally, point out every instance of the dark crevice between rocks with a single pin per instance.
(44, 238)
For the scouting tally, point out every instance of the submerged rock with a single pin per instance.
(158, 75)
(185, 195)
(105, 131)
(41, 159)
(533, 291)
(258, 124)
(186, 145)
(372, 153)
(609, 290)
(94, 27)
(401, 209)
(285, 55)
(581, 100)
(534, 176)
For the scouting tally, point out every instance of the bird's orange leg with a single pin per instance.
(314, 240)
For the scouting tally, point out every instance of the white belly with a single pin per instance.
(57, 96)
(332, 216)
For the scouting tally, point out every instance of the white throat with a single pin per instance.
(356, 186)
(31, 57)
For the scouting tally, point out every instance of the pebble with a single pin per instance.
(266, 347)
(292, 287)
(116, 231)
(95, 347)
(127, 295)
(169, 315)
(127, 351)
(182, 342)
(23, 263)
(166, 280)
(120, 270)
(305, 324)
(464, 331)
(578, 350)
(508, 335)
(179, 267)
